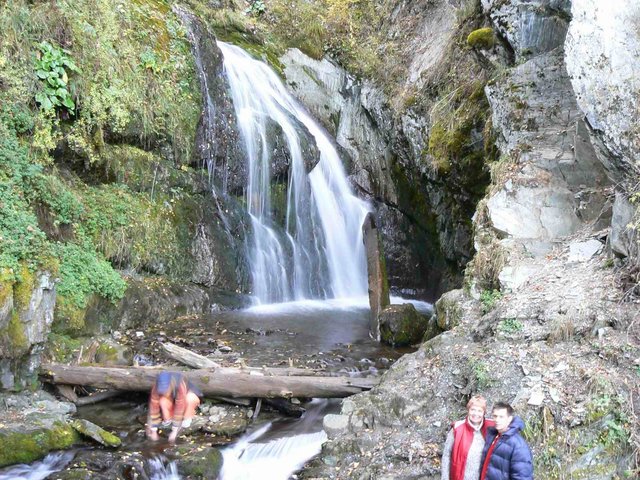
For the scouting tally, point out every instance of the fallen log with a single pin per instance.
(210, 382)
(195, 360)
(188, 357)
(96, 397)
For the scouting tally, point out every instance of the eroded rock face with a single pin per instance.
(157, 301)
(530, 27)
(217, 139)
(26, 314)
(603, 60)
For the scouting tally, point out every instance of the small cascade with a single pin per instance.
(317, 250)
(275, 451)
(54, 462)
(161, 469)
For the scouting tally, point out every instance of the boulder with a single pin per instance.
(449, 309)
(95, 432)
(621, 239)
(111, 353)
(198, 462)
(33, 424)
(402, 325)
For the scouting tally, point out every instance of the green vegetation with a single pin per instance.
(480, 374)
(481, 38)
(88, 91)
(62, 348)
(510, 326)
(488, 299)
(53, 68)
(27, 447)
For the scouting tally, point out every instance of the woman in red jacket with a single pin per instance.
(465, 441)
(173, 399)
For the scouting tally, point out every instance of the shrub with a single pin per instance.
(488, 299)
(52, 68)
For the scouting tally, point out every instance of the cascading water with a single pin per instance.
(318, 252)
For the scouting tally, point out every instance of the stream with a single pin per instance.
(331, 335)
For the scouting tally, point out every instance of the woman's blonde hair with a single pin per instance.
(478, 400)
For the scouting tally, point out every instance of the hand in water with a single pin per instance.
(152, 434)
(174, 434)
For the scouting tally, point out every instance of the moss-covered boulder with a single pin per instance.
(481, 38)
(111, 353)
(27, 443)
(199, 462)
(448, 309)
(95, 432)
(402, 325)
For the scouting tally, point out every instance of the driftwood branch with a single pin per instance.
(211, 382)
(188, 357)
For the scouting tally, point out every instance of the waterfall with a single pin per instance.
(317, 250)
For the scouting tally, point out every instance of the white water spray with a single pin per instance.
(319, 252)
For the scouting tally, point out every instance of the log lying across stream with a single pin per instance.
(211, 382)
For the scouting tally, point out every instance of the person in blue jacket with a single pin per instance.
(506, 455)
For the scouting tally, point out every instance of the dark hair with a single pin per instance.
(503, 406)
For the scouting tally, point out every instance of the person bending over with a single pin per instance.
(173, 401)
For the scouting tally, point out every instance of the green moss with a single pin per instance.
(481, 38)
(68, 317)
(200, 463)
(6, 289)
(62, 348)
(106, 353)
(18, 342)
(23, 289)
(25, 448)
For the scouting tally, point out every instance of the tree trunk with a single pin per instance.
(210, 382)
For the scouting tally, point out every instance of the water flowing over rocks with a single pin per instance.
(386, 153)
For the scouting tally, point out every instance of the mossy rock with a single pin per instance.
(111, 353)
(95, 432)
(199, 463)
(482, 38)
(449, 310)
(402, 325)
(25, 447)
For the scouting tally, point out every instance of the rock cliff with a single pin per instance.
(543, 322)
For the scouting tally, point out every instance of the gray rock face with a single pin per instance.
(218, 138)
(603, 60)
(530, 27)
(25, 330)
(556, 183)
(151, 302)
